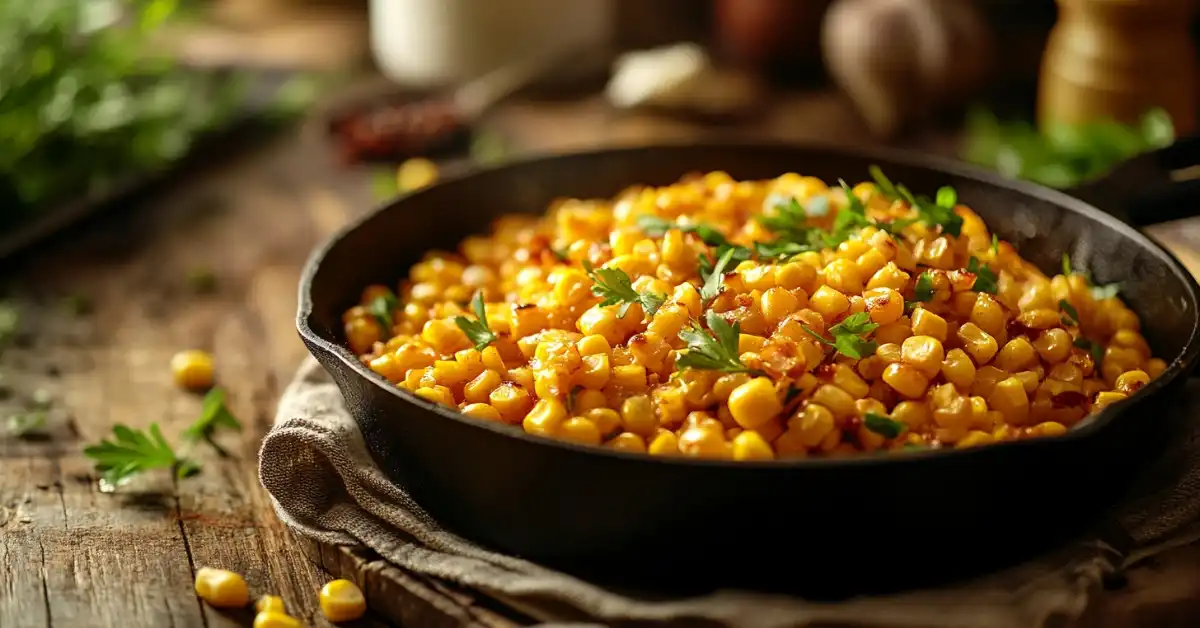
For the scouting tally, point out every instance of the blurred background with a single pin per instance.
(99, 97)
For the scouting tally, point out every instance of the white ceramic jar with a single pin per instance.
(429, 43)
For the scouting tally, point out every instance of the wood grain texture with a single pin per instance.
(71, 556)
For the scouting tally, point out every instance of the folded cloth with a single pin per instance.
(326, 486)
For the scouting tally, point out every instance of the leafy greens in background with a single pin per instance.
(1062, 155)
(83, 102)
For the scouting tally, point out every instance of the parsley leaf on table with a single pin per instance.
(214, 415)
(849, 336)
(477, 331)
(715, 349)
(133, 451)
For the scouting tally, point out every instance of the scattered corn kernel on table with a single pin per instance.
(73, 556)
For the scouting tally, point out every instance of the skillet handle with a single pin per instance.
(1154, 187)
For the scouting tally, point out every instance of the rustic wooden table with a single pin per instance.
(72, 556)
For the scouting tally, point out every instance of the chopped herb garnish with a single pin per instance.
(947, 198)
(655, 227)
(715, 349)
(477, 330)
(614, 286)
(1072, 315)
(985, 279)
(848, 336)
(381, 307)
(931, 213)
(1066, 264)
(995, 244)
(924, 288)
(790, 221)
(712, 283)
(202, 280)
(1093, 348)
(779, 249)
(884, 426)
(26, 423)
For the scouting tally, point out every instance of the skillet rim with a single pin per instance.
(1181, 365)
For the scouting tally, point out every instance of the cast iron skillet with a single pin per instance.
(821, 527)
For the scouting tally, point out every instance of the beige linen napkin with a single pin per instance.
(325, 486)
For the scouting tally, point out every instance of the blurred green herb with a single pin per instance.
(1063, 155)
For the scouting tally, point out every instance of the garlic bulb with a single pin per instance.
(901, 59)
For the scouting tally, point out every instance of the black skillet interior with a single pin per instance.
(832, 527)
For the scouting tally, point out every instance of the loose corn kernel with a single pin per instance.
(923, 353)
(269, 604)
(222, 588)
(1130, 382)
(362, 333)
(607, 420)
(979, 344)
(1053, 345)
(974, 438)
(601, 321)
(630, 378)
(958, 369)
(511, 401)
(725, 385)
(593, 345)
(444, 336)
(776, 304)
(755, 402)
(894, 333)
(914, 414)
(664, 444)
(704, 442)
(906, 380)
(845, 378)
(482, 411)
(750, 445)
(926, 323)
(341, 600)
(1049, 428)
(951, 410)
(628, 441)
(595, 371)
(1155, 367)
(276, 619)
(988, 314)
(193, 369)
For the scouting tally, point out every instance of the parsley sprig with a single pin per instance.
(715, 349)
(381, 307)
(985, 278)
(849, 336)
(939, 213)
(132, 451)
(886, 427)
(712, 280)
(477, 330)
(614, 286)
(923, 290)
(1100, 292)
(1071, 316)
(655, 227)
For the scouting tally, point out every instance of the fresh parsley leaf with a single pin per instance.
(929, 212)
(477, 330)
(715, 349)
(848, 336)
(882, 183)
(1066, 264)
(1094, 348)
(1072, 317)
(779, 249)
(381, 307)
(884, 426)
(1105, 291)
(924, 288)
(614, 286)
(995, 244)
(655, 227)
(712, 283)
(133, 451)
(850, 219)
(26, 423)
(214, 415)
(985, 279)
(790, 221)
(947, 198)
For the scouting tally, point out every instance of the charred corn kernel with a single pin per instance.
(750, 445)
(914, 414)
(341, 600)
(269, 604)
(593, 345)
(580, 430)
(1010, 399)
(664, 444)
(1106, 398)
(222, 588)
(890, 276)
(630, 378)
(193, 369)
(812, 425)
(951, 410)
(926, 323)
(726, 384)
(637, 415)
(436, 394)
(1016, 355)
(594, 372)
(482, 411)
(979, 344)
(755, 402)
(275, 619)
(988, 314)
(884, 304)
(958, 369)
(1049, 428)
(846, 379)
(906, 380)
(840, 402)
(511, 401)
(1053, 345)
(1130, 382)
(601, 321)
(628, 441)
(449, 373)
(923, 353)
(545, 418)
(606, 420)
(828, 302)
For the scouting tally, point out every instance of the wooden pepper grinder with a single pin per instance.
(1116, 59)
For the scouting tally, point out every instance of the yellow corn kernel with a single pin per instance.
(449, 373)
(1053, 345)
(843, 276)
(637, 415)
(894, 333)
(974, 438)
(594, 372)
(1130, 339)
(1105, 398)
(670, 405)
(511, 401)
(607, 420)
(669, 320)
(490, 357)
(572, 287)
(923, 353)
(589, 399)
(890, 276)
(1029, 379)
(846, 379)
(275, 619)
(812, 425)
(979, 344)
(628, 441)
(593, 345)
(926, 323)
(914, 414)
(748, 343)
(951, 410)
(776, 304)
(580, 430)
(906, 380)
(482, 411)
(341, 600)
(222, 588)
(795, 275)
(630, 378)
(750, 445)
(884, 304)
(1018, 354)
(755, 402)
(1010, 399)
(444, 336)
(1049, 428)
(664, 444)
(889, 353)
(704, 442)
(269, 604)
(840, 402)
(545, 418)
(1155, 367)
(988, 314)
(828, 302)
(725, 385)
(436, 394)
(362, 333)
(601, 321)
(193, 369)
(958, 369)
(1130, 382)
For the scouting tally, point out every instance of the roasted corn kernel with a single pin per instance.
(341, 600)
(222, 588)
